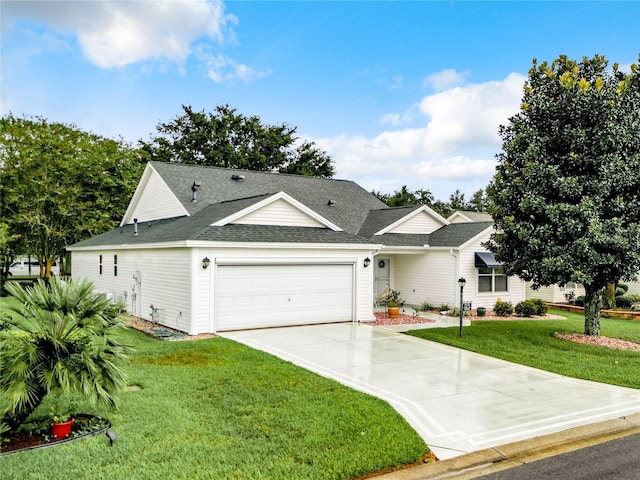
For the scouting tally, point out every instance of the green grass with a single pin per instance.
(215, 409)
(532, 343)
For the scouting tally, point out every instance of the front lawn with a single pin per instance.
(531, 342)
(215, 409)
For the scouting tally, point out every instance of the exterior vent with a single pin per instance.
(194, 189)
(237, 178)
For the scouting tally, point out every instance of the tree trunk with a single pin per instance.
(592, 307)
(611, 295)
(18, 418)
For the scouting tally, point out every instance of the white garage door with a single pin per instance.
(256, 296)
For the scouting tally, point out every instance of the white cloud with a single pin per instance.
(469, 116)
(221, 68)
(456, 144)
(445, 79)
(116, 33)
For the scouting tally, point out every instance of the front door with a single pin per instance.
(383, 276)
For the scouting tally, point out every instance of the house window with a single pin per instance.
(100, 265)
(115, 265)
(568, 286)
(492, 280)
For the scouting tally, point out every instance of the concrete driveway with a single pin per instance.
(458, 401)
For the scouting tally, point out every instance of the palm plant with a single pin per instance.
(61, 337)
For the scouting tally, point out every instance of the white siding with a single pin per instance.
(516, 287)
(421, 223)
(634, 288)
(551, 293)
(157, 201)
(433, 277)
(203, 293)
(279, 212)
(165, 275)
(429, 277)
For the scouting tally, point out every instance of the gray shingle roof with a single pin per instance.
(402, 239)
(198, 228)
(352, 202)
(452, 235)
(355, 210)
(379, 219)
(455, 234)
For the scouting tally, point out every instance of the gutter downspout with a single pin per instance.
(457, 276)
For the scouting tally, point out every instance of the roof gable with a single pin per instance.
(421, 220)
(468, 216)
(342, 203)
(152, 200)
(459, 234)
(279, 209)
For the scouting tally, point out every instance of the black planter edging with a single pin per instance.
(64, 440)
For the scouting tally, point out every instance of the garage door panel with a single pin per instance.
(255, 296)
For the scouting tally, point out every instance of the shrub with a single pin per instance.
(623, 287)
(64, 339)
(624, 302)
(426, 306)
(502, 309)
(541, 306)
(579, 301)
(444, 307)
(454, 312)
(393, 299)
(526, 308)
(620, 292)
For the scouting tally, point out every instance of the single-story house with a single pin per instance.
(556, 293)
(207, 249)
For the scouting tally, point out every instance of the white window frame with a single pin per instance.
(494, 273)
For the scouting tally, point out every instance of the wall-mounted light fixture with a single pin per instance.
(206, 262)
(367, 262)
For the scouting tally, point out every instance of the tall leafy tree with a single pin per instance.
(566, 196)
(60, 185)
(404, 197)
(225, 138)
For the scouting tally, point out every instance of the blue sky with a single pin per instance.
(398, 93)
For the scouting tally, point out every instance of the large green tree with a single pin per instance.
(225, 138)
(404, 197)
(566, 194)
(60, 185)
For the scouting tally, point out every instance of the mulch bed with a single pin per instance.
(162, 332)
(608, 342)
(13, 442)
(383, 319)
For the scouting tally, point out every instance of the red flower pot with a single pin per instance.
(61, 430)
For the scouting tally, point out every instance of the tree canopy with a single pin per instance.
(225, 138)
(404, 197)
(60, 185)
(566, 196)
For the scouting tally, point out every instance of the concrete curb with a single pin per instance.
(490, 460)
